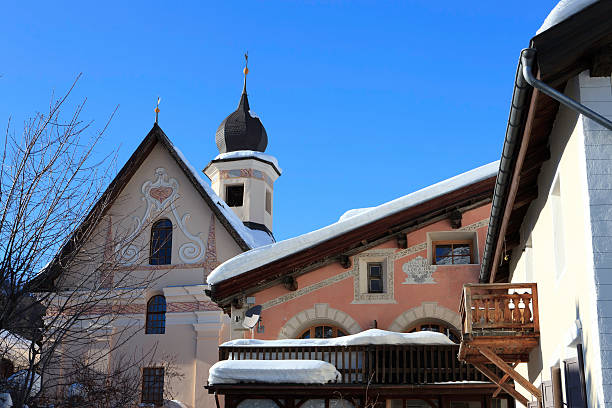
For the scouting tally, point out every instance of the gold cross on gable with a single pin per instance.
(157, 109)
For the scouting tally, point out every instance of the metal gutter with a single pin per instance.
(516, 119)
(527, 59)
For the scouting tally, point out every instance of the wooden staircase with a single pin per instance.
(500, 326)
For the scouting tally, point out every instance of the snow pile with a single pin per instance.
(174, 404)
(367, 337)
(564, 10)
(264, 255)
(353, 212)
(272, 371)
(253, 238)
(249, 154)
(22, 378)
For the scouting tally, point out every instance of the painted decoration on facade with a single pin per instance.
(418, 271)
(160, 195)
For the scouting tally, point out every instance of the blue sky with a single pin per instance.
(363, 101)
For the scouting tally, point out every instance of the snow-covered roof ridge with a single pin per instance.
(253, 238)
(266, 254)
(367, 337)
(351, 213)
(562, 11)
(272, 371)
(245, 154)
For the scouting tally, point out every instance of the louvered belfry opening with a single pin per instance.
(499, 327)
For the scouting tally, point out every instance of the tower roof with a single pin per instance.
(241, 130)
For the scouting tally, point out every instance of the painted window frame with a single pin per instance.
(148, 395)
(156, 245)
(312, 331)
(156, 329)
(360, 272)
(435, 244)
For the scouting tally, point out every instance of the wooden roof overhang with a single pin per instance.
(45, 281)
(352, 242)
(581, 42)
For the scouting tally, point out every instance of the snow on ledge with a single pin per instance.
(367, 337)
(267, 254)
(564, 10)
(272, 371)
(249, 154)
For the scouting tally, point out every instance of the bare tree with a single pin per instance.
(61, 286)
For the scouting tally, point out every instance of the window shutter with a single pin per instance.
(548, 396)
(573, 384)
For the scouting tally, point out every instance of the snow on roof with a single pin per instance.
(253, 238)
(246, 154)
(564, 10)
(266, 254)
(272, 371)
(367, 337)
(351, 213)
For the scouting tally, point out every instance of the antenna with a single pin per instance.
(251, 317)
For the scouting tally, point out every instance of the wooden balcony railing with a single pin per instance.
(499, 309)
(373, 364)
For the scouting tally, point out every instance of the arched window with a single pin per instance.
(435, 326)
(156, 315)
(161, 243)
(322, 332)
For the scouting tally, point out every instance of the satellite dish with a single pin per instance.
(251, 317)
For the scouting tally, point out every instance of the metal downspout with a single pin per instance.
(527, 58)
(514, 125)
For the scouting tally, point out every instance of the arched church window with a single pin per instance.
(322, 332)
(438, 327)
(161, 243)
(156, 315)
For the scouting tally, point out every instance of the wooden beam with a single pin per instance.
(502, 365)
(503, 380)
(510, 390)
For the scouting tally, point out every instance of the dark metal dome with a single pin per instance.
(240, 130)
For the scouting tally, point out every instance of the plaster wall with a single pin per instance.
(194, 325)
(331, 294)
(569, 290)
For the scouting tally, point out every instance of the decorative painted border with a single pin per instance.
(245, 173)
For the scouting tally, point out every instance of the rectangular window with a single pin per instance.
(234, 195)
(453, 252)
(375, 277)
(153, 385)
(268, 201)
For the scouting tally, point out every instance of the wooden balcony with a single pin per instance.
(373, 364)
(499, 325)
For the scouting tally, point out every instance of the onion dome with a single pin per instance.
(241, 130)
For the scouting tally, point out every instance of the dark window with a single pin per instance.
(574, 381)
(268, 201)
(156, 315)
(452, 252)
(153, 385)
(234, 195)
(322, 332)
(161, 243)
(375, 278)
(435, 327)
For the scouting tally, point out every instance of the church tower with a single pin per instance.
(242, 174)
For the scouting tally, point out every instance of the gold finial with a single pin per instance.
(157, 109)
(246, 63)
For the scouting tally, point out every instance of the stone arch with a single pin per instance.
(427, 310)
(320, 313)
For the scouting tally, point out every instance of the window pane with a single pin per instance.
(328, 332)
(375, 270)
(340, 333)
(319, 332)
(443, 250)
(375, 285)
(306, 334)
(233, 195)
(161, 243)
(461, 260)
(445, 260)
